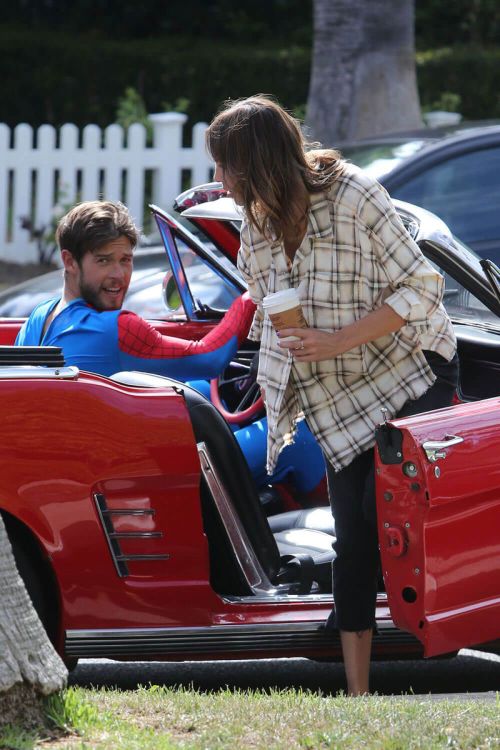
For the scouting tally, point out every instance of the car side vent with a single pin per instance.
(114, 538)
(47, 356)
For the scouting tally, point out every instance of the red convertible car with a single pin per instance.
(136, 524)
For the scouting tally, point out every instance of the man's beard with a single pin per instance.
(92, 296)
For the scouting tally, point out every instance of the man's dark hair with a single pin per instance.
(92, 224)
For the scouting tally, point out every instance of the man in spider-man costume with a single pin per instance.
(97, 240)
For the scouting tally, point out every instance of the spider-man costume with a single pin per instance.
(110, 341)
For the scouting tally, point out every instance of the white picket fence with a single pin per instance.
(42, 170)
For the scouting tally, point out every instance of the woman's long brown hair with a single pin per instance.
(262, 147)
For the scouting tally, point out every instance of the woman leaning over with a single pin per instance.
(378, 339)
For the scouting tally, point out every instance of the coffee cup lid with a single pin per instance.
(282, 297)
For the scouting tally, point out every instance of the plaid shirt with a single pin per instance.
(355, 256)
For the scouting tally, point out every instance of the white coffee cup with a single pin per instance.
(285, 311)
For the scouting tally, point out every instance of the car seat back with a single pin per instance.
(210, 427)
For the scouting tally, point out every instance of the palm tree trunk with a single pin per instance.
(363, 75)
(29, 666)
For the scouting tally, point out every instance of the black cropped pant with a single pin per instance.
(352, 497)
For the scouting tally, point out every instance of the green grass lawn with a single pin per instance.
(165, 718)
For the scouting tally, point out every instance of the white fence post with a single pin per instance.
(167, 142)
(134, 196)
(23, 144)
(34, 178)
(68, 151)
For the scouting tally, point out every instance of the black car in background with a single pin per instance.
(453, 172)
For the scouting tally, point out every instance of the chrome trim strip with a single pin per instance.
(142, 557)
(280, 598)
(40, 372)
(231, 639)
(127, 512)
(108, 528)
(238, 539)
(136, 535)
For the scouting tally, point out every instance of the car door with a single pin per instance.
(438, 503)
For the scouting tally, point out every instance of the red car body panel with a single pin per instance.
(95, 436)
(9, 328)
(136, 448)
(225, 236)
(438, 528)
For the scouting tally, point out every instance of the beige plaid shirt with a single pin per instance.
(355, 256)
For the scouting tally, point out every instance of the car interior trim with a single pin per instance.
(238, 539)
(27, 372)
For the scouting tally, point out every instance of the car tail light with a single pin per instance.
(210, 191)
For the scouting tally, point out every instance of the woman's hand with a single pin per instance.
(314, 345)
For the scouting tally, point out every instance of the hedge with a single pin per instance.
(55, 78)
(50, 78)
(471, 72)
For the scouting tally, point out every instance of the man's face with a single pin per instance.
(103, 276)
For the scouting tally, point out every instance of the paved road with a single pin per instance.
(471, 673)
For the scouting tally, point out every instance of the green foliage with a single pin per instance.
(131, 108)
(14, 738)
(467, 77)
(460, 22)
(77, 80)
(158, 717)
(129, 19)
(447, 102)
(45, 235)
(163, 718)
(68, 710)
(180, 105)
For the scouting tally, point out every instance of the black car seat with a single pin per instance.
(296, 558)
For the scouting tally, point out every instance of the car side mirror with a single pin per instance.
(171, 294)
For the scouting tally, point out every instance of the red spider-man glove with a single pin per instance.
(239, 316)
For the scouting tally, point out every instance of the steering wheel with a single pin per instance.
(242, 398)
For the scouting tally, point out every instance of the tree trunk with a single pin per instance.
(363, 75)
(29, 666)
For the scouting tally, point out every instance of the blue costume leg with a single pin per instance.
(301, 463)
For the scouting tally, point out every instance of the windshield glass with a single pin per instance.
(461, 304)
(379, 158)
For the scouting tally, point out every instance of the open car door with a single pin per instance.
(438, 506)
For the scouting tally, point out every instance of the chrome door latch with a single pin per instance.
(435, 449)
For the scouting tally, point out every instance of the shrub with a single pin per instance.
(470, 73)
